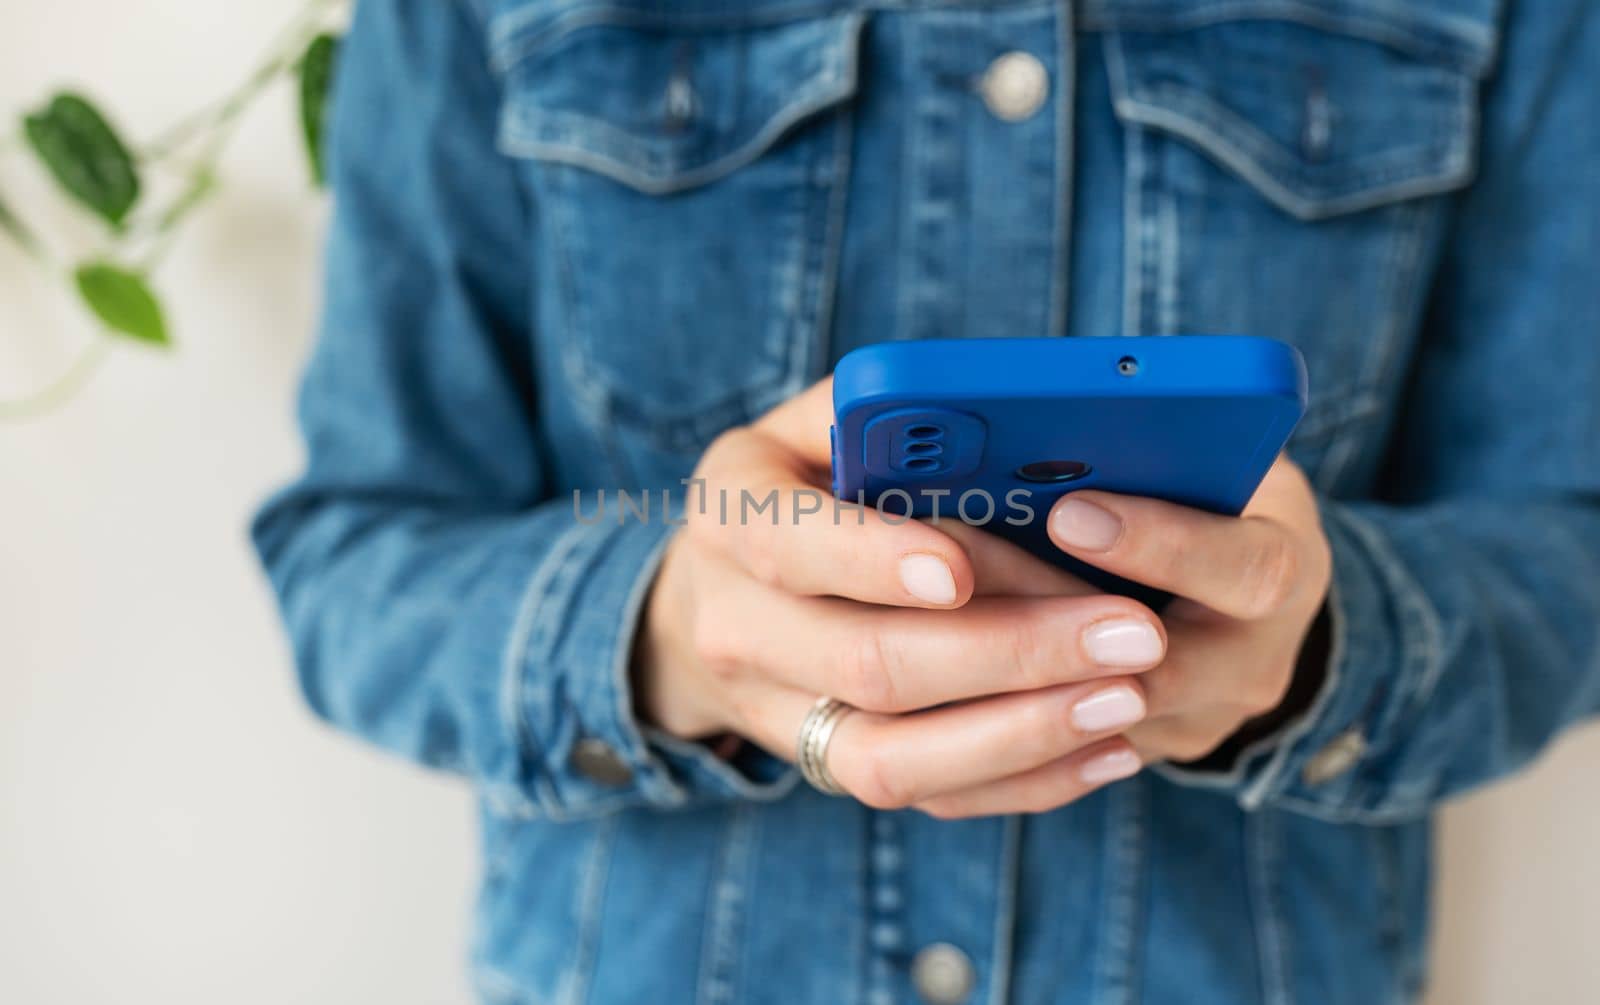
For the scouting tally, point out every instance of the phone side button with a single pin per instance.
(833, 457)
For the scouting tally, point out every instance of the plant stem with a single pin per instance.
(160, 232)
(23, 237)
(11, 224)
(216, 125)
(60, 390)
(282, 54)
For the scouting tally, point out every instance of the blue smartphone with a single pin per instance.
(994, 431)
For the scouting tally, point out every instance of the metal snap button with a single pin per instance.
(1340, 755)
(1015, 86)
(942, 974)
(599, 762)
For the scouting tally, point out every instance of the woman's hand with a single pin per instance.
(1248, 589)
(985, 681)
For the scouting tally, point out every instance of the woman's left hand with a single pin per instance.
(1247, 590)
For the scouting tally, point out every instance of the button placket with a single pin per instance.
(886, 925)
(984, 181)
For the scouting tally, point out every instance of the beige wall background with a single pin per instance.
(173, 826)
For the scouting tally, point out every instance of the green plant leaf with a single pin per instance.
(85, 155)
(316, 84)
(123, 300)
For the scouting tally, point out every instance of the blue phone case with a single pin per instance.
(957, 426)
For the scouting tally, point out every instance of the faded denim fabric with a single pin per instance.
(574, 240)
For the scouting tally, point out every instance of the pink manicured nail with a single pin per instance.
(1081, 525)
(1110, 766)
(928, 578)
(1112, 708)
(1123, 642)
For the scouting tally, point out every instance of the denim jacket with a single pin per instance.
(575, 239)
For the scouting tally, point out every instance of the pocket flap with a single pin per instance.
(1319, 122)
(664, 107)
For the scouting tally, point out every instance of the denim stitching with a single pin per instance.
(1061, 271)
(1272, 947)
(1132, 268)
(1392, 923)
(1395, 174)
(574, 986)
(934, 150)
(548, 629)
(590, 394)
(596, 145)
(1399, 297)
(1420, 626)
(1142, 238)
(1387, 815)
(1270, 782)
(653, 782)
(1005, 912)
(885, 871)
(1406, 292)
(725, 914)
(531, 611)
(1419, 664)
(813, 366)
(1466, 44)
(811, 344)
(1117, 965)
(1167, 288)
(799, 224)
(585, 143)
(1151, 191)
(1133, 168)
(515, 34)
(910, 265)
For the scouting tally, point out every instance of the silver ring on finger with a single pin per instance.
(811, 747)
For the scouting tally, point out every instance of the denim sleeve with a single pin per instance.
(1466, 604)
(441, 601)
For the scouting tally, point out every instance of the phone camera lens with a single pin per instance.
(1127, 366)
(1053, 471)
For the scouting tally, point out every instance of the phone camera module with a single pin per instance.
(1053, 471)
(1127, 366)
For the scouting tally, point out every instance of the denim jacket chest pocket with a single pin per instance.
(1283, 163)
(718, 137)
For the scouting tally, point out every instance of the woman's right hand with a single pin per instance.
(985, 680)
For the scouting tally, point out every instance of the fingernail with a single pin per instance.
(1123, 642)
(1110, 766)
(1113, 708)
(928, 578)
(1081, 524)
